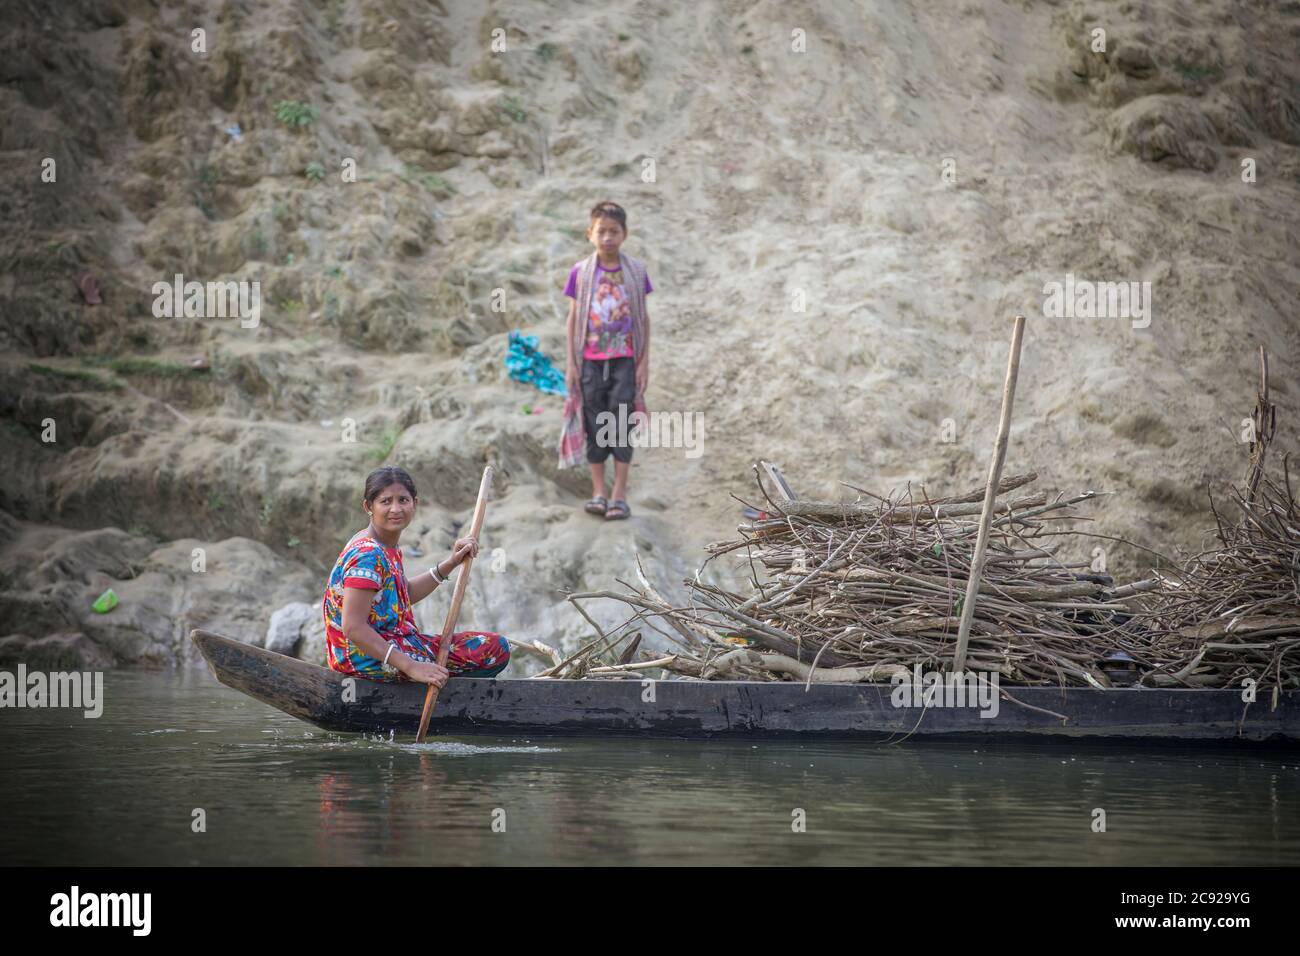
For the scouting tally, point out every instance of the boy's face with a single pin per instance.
(606, 235)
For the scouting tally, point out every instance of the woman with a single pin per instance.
(369, 628)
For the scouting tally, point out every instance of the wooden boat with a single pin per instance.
(676, 708)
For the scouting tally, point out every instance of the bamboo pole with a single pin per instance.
(1265, 420)
(990, 493)
(462, 581)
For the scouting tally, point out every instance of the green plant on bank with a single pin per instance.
(215, 501)
(334, 272)
(430, 181)
(292, 543)
(149, 367)
(623, 38)
(222, 366)
(294, 114)
(139, 366)
(280, 212)
(334, 18)
(203, 197)
(381, 449)
(290, 305)
(314, 171)
(333, 311)
(11, 432)
(435, 183)
(79, 376)
(546, 51)
(1196, 73)
(268, 509)
(258, 240)
(514, 109)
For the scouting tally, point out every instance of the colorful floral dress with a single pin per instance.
(366, 563)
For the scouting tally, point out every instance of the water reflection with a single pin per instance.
(121, 790)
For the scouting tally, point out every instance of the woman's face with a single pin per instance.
(393, 508)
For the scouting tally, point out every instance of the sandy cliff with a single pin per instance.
(826, 296)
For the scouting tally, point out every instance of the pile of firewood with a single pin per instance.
(862, 590)
(865, 590)
(1232, 613)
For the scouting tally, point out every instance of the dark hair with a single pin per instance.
(608, 210)
(381, 478)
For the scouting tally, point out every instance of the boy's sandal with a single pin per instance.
(617, 510)
(595, 506)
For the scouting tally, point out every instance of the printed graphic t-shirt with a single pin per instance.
(609, 328)
(365, 563)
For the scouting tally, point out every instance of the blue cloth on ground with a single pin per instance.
(530, 366)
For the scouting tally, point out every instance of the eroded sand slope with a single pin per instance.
(779, 176)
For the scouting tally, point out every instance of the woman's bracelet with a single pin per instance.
(437, 575)
(391, 647)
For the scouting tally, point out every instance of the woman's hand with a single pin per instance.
(642, 378)
(466, 547)
(425, 673)
(572, 381)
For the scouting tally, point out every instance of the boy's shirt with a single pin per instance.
(609, 329)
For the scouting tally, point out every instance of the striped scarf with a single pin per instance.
(572, 446)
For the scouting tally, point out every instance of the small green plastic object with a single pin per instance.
(105, 602)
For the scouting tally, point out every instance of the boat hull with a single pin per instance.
(675, 708)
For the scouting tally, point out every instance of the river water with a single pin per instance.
(174, 749)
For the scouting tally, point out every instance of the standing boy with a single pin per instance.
(608, 354)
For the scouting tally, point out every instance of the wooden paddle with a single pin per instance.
(462, 580)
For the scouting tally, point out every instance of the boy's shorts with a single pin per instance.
(607, 384)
